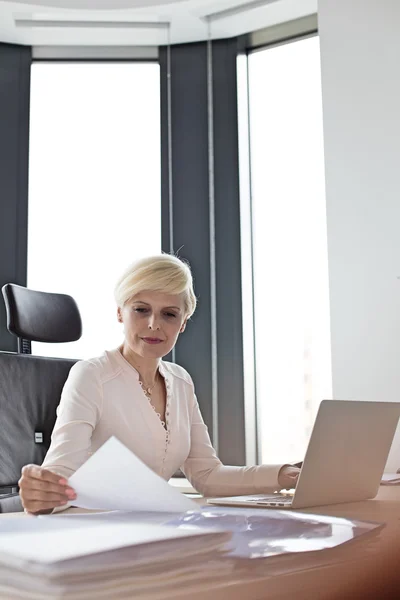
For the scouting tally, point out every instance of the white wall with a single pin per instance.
(360, 58)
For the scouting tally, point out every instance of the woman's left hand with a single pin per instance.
(288, 476)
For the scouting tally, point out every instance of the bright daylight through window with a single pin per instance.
(291, 302)
(94, 187)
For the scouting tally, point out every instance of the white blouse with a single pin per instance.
(102, 397)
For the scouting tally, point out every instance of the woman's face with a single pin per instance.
(153, 322)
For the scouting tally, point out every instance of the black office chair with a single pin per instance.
(30, 386)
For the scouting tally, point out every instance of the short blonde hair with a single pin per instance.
(161, 273)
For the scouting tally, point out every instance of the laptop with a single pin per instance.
(345, 458)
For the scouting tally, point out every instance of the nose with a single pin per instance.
(153, 323)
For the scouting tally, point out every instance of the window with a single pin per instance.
(94, 187)
(289, 246)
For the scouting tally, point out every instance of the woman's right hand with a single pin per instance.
(41, 490)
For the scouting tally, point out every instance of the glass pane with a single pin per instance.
(94, 187)
(291, 303)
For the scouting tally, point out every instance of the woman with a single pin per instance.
(148, 404)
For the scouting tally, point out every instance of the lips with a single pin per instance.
(150, 340)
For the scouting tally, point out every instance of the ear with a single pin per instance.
(183, 326)
(119, 315)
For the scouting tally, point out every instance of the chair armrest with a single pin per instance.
(11, 503)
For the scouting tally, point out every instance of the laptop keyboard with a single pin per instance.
(273, 500)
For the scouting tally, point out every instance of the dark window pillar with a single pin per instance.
(188, 219)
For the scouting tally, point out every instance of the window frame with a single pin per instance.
(263, 39)
(79, 55)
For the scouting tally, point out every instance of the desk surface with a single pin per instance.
(315, 575)
(323, 575)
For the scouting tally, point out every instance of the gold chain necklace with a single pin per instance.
(148, 390)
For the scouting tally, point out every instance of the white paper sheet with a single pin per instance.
(390, 479)
(114, 478)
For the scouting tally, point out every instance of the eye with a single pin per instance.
(170, 314)
(140, 309)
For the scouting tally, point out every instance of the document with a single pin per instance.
(390, 479)
(114, 478)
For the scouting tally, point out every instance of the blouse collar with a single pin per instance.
(127, 365)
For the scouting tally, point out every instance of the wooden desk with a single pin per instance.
(312, 575)
(325, 575)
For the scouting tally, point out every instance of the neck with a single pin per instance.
(146, 367)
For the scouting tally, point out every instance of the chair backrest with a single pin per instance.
(30, 390)
(40, 316)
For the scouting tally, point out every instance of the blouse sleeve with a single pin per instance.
(77, 415)
(211, 478)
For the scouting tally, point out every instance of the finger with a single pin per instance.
(29, 486)
(293, 473)
(41, 474)
(28, 494)
(36, 496)
(46, 486)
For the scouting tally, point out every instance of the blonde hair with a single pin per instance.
(161, 273)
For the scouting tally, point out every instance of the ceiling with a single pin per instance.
(139, 22)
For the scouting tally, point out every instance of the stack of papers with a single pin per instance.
(61, 558)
